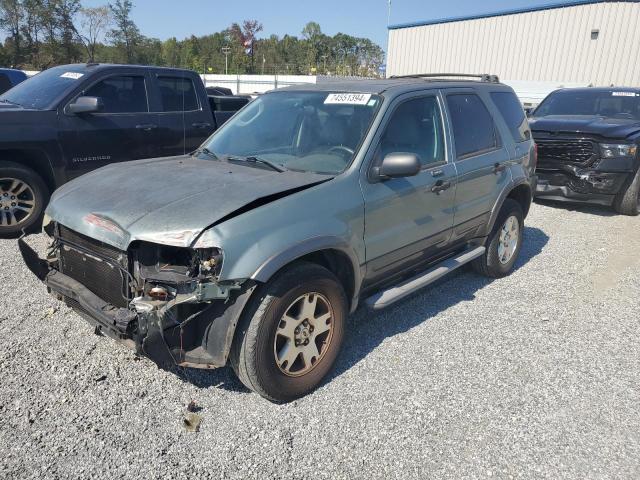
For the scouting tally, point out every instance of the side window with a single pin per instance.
(5, 83)
(473, 126)
(121, 94)
(416, 127)
(513, 114)
(178, 94)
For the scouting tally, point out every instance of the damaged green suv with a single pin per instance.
(309, 202)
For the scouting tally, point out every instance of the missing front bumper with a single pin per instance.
(203, 340)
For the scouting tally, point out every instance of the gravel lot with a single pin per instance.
(533, 376)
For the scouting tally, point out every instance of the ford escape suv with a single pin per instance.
(309, 202)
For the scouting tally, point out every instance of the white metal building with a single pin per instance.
(582, 42)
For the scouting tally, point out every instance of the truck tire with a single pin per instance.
(627, 202)
(291, 333)
(504, 242)
(23, 198)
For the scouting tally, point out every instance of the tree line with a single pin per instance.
(43, 33)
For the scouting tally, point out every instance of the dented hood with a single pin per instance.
(168, 201)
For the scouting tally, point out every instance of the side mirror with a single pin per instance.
(528, 111)
(398, 165)
(86, 105)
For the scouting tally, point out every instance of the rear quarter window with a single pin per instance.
(513, 114)
(473, 128)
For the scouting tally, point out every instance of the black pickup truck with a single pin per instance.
(588, 147)
(71, 119)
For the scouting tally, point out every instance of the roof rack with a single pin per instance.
(484, 77)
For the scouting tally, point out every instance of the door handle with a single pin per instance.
(437, 173)
(498, 167)
(201, 125)
(440, 186)
(147, 127)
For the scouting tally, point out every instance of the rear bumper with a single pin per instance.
(203, 340)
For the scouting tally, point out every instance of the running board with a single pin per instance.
(387, 297)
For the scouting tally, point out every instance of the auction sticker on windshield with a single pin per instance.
(72, 75)
(347, 98)
(624, 94)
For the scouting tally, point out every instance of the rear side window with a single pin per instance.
(513, 115)
(416, 127)
(473, 126)
(178, 94)
(121, 94)
(5, 83)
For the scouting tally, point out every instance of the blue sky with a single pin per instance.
(368, 18)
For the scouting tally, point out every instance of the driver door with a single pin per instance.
(408, 219)
(123, 130)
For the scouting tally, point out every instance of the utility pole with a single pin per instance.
(226, 50)
(389, 13)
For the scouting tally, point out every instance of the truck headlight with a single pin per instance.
(618, 150)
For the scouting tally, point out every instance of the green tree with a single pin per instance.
(125, 34)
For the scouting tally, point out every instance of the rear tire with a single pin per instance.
(627, 202)
(23, 198)
(504, 242)
(303, 303)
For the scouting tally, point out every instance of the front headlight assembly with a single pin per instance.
(618, 150)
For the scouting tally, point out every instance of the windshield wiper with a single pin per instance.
(253, 159)
(206, 151)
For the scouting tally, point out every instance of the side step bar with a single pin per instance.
(387, 297)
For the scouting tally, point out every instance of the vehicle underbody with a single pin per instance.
(164, 302)
(571, 169)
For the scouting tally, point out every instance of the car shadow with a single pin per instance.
(367, 330)
(590, 209)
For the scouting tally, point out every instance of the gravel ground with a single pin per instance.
(533, 376)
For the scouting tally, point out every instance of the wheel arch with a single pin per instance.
(520, 192)
(332, 253)
(34, 159)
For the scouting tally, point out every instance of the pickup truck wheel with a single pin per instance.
(291, 335)
(504, 242)
(627, 202)
(23, 196)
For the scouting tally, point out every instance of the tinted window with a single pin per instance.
(5, 83)
(177, 94)
(122, 94)
(472, 124)
(605, 103)
(416, 127)
(42, 91)
(513, 114)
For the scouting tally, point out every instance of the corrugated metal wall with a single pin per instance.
(547, 45)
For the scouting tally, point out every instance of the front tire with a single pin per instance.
(627, 202)
(504, 242)
(23, 197)
(291, 333)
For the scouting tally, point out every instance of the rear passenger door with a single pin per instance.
(409, 219)
(481, 159)
(184, 122)
(124, 130)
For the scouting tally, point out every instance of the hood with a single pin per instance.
(618, 128)
(169, 200)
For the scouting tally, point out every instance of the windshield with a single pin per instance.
(615, 104)
(306, 131)
(42, 90)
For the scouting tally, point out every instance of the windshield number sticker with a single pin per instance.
(72, 75)
(347, 99)
(624, 94)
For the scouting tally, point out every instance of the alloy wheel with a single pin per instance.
(304, 334)
(509, 238)
(17, 202)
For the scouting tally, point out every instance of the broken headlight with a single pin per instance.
(618, 150)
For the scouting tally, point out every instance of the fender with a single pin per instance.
(315, 244)
(500, 201)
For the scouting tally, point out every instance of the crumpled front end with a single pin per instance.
(166, 302)
(575, 169)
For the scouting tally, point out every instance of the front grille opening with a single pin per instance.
(101, 268)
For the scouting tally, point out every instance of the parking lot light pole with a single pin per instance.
(226, 50)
